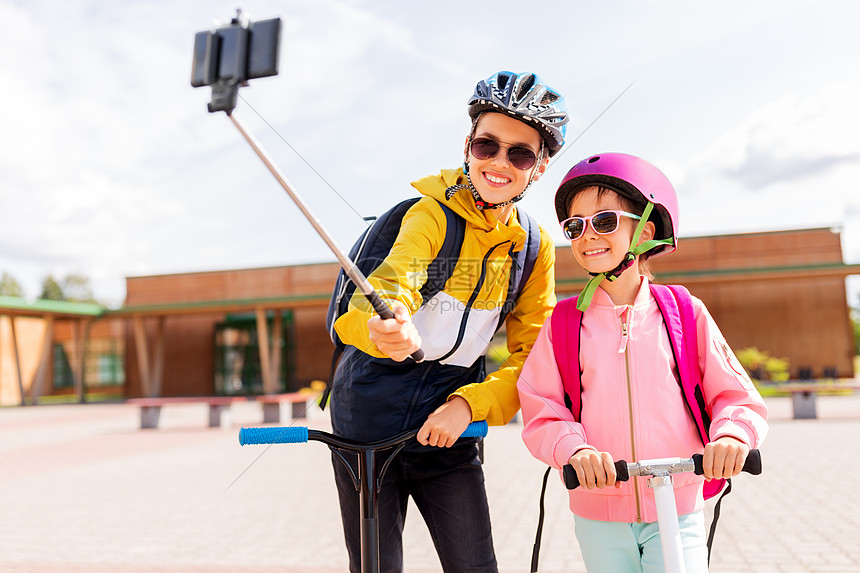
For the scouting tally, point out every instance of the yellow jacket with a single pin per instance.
(482, 271)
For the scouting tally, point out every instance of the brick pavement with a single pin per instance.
(83, 489)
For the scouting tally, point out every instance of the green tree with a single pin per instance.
(762, 366)
(10, 287)
(76, 288)
(51, 289)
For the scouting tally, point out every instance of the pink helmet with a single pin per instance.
(631, 177)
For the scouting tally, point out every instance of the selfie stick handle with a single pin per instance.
(352, 271)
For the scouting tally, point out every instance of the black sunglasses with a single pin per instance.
(520, 157)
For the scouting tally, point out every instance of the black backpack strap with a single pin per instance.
(539, 533)
(368, 252)
(438, 271)
(339, 347)
(442, 267)
(522, 263)
(532, 249)
(716, 517)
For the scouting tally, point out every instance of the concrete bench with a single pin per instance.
(803, 395)
(150, 408)
(300, 402)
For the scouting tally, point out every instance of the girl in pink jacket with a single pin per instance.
(617, 210)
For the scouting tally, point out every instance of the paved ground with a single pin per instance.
(82, 489)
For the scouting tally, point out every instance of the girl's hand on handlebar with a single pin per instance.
(724, 458)
(446, 424)
(594, 469)
(396, 337)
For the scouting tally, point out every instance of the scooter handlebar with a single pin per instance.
(752, 465)
(299, 434)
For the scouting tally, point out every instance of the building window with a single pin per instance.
(103, 364)
(62, 368)
(237, 355)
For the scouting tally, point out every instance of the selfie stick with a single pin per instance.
(226, 58)
(349, 267)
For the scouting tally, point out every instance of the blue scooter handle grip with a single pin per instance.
(475, 430)
(280, 435)
(752, 465)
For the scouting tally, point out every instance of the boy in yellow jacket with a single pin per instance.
(518, 123)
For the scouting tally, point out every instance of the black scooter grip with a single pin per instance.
(571, 480)
(752, 465)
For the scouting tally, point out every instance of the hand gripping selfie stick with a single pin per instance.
(226, 58)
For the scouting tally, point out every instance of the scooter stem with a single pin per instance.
(667, 521)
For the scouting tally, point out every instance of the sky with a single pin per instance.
(111, 165)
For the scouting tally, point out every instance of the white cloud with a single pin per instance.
(792, 163)
(112, 167)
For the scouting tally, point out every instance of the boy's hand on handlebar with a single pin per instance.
(446, 424)
(396, 337)
(594, 469)
(724, 458)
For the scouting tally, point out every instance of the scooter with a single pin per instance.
(664, 495)
(367, 482)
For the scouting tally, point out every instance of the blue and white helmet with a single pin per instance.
(525, 97)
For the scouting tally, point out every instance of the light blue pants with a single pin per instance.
(613, 547)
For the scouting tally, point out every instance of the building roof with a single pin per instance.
(16, 306)
(741, 274)
(220, 306)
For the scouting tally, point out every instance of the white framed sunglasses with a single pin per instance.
(603, 223)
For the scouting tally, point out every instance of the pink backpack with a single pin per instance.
(676, 305)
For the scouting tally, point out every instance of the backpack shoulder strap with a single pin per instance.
(367, 252)
(442, 267)
(370, 250)
(676, 305)
(566, 321)
(522, 263)
(530, 250)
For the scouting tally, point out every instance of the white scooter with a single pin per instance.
(664, 496)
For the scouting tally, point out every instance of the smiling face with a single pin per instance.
(600, 253)
(495, 178)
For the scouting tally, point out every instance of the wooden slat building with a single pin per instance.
(202, 333)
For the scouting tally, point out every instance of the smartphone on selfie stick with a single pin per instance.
(226, 57)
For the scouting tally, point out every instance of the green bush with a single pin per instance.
(762, 366)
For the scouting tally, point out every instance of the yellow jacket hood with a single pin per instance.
(463, 204)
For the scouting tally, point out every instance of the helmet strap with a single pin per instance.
(633, 251)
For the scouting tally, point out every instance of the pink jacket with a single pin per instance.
(632, 404)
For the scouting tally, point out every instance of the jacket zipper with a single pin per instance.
(460, 335)
(465, 319)
(624, 334)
